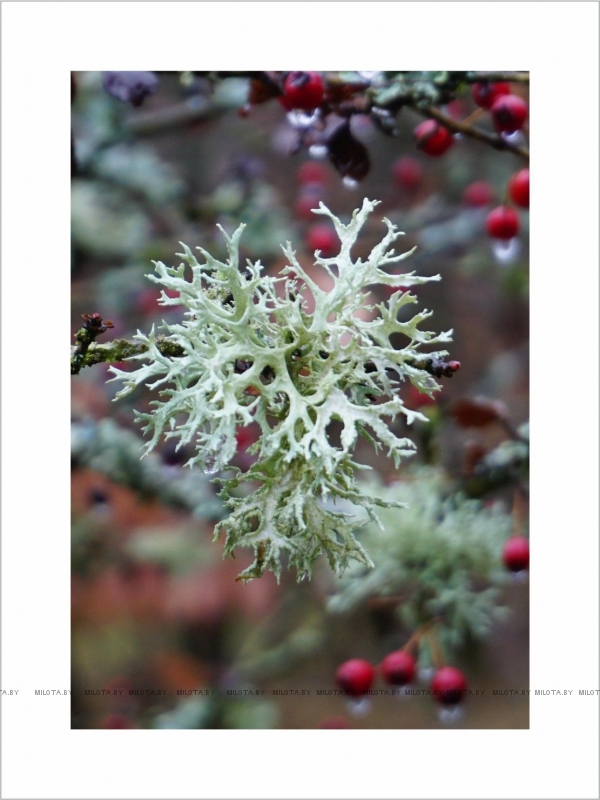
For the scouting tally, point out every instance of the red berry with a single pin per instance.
(355, 676)
(515, 554)
(448, 685)
(457, 109)
(509, 113)
(518, 188)
(147, 301)
(502, 223)
(408, 173)
(322, 237)
(285, 102)
(433, 138)
(418, 399)
(485, 94)
(246, 435)
(478, 194)
(304, 90)
(305, 204)
(398, 668)
(312, 172)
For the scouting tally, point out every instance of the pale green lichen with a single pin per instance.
(253, 353)
(441, 557)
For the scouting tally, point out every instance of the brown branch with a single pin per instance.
(93, 326)
(475, 133)
(119, 350)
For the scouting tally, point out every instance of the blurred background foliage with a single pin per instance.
(154, 604)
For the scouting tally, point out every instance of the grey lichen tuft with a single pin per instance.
(440, 557)
(252, 352)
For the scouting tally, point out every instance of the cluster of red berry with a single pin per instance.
(508, 113)
(399, 668)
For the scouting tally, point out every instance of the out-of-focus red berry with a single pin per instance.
(432, 138)
(398, 668)
(304, 90)
(515, 554)
(408, 173)
(305, 204)
(322, 237)
(417, 399)
(246, 435)
(518, 188)
(147, 301)
(502, 223)
(355, 676)
(312, 172)
(509, 113)
(456, 109)
(478, 194)
(485, 93)
(449, 686)
(285, 102)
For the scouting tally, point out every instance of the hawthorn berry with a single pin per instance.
(311, 172)
(478, 194)
(355, 676)
(305, 204)
(322, 237)
(419, 399)
(285, 102)
(515, 554)
(509, 113)
(303, 90)
(457, 108)
(502, 223)
(246, 435)
(408, 173)
(485, 94)
(448, 686)
(398, 668)
(432, 138)
(518, 188)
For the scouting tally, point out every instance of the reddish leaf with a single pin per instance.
(477, 412)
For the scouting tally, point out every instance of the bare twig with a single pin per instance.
(119, 350)
(93, 326)
(475, 133)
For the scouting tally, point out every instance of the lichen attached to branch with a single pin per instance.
(253, 353)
